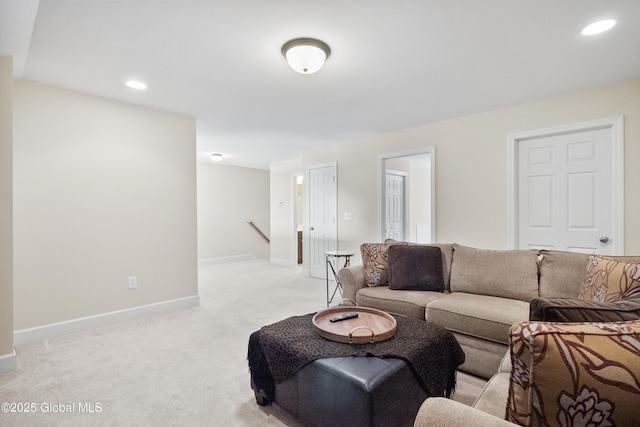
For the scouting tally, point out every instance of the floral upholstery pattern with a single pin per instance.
(375, 262)
(610, 280)
(574, 374)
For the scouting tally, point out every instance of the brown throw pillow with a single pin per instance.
(610, 280)
(415, 268)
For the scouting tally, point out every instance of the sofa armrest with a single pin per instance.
(442, 412)
(576, 310)
(352, 280)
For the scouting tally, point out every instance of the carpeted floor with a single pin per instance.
(186, 367)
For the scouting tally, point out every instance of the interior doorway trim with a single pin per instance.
(616, 126)
(431, 150)
(296, 210)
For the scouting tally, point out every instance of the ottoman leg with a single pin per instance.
(261, 396)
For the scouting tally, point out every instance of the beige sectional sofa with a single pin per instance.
(485, 293)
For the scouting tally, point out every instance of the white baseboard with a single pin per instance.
(285, 262)
(25, 336)
(206, 261)
(8, 362)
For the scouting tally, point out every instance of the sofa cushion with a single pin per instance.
(609, 280)
(406, 303)
(375, 261)
(480, 316)
(561, 273)
(482, 357)
(443, 412)
(415, 268)
(446, 250)
(507, 274)
(574, 374)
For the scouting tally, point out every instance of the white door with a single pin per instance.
(323, 227)
(394, 211)
(565, 197)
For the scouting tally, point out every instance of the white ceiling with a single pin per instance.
(394, 64)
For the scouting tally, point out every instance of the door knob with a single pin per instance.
(311, 228)
(604, 239)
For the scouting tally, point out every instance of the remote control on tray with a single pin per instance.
(342, 317)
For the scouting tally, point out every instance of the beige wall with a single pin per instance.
(103, 190)
(228, 196)
(471, 166)
(6, 206)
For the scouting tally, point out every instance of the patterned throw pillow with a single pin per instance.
(571, 374)
(609, 280)
(375, 260)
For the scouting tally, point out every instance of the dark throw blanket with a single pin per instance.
(277, 352)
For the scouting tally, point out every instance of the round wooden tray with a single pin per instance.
(370, 326)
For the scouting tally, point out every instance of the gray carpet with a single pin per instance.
(187, 367)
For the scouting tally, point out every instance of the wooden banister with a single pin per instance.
(258, 230)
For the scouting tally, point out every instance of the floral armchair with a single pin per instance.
(562, 374)
(573, 374)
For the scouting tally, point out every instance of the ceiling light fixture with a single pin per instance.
(134, 84)
(305, 55)
(217, 157)
(598, 27)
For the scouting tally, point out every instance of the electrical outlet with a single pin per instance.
(133, 282)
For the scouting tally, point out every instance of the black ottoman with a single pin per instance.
(328, 383)
(352, 391)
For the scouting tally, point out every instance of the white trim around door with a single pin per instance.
(431, 151)
(616, 127)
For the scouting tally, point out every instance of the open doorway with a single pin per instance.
(407, 195)
(298, 182)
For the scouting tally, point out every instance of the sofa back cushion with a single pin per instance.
(415, 268)
(446, 250)
(561, 273)
(610, 280)
(574, 374)
(507, 274)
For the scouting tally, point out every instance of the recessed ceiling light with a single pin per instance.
(216, 157)
(134, 84)
(598, 27)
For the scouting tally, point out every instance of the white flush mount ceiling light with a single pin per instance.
(134, 84)
(305, 55)
(598, 27)
(217, 157)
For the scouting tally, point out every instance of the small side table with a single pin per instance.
(328, 264)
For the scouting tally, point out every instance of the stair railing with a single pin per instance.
(255, 227)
